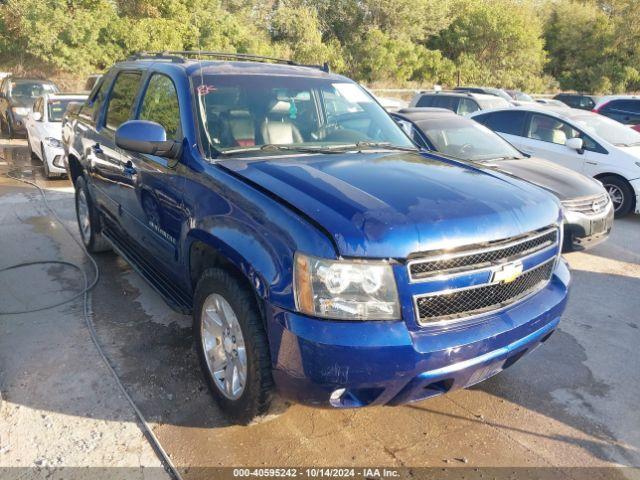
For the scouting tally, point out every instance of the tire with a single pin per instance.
(621, 194)
(89, 220)
(215, 287)
(32, 154)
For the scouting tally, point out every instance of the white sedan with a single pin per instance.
(583, 141)
(44, 131)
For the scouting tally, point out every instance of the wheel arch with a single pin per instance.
(75, 167)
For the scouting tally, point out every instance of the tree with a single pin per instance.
(496, 43)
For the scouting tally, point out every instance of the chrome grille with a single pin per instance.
(467, 302)
(588, 205)
(482, 256)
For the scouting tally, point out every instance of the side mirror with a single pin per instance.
(37, 116)
(142, 136)
(575, 144)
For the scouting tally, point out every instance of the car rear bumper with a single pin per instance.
(355, 364)
(585, 231)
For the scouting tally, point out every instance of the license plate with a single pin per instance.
(485, 372)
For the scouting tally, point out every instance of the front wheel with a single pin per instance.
(232, 346)
(621, 194)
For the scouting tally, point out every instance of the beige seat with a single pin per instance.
(239, 128)
(277, 127)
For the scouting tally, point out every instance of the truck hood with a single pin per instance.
(389, 205)
(561, 181)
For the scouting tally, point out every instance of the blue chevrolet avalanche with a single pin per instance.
(320, 253)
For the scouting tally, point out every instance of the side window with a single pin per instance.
(425, 101)
(587, 103)
(414, 133)
(467, 106)
(620, 106)
(549, 129)
(509, 121)
(450, 103)
(160, 105)
(91, 107)
(122, 98)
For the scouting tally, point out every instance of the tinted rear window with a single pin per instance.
(622, 106)
(508, 121)
(425, 101)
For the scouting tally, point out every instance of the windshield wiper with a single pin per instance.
(281, 148)
(383, 145)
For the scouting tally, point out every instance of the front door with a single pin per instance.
(152, 199)
(107, 163)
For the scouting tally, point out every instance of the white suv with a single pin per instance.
(583, 141)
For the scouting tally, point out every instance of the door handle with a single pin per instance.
(129, 169)
(97, 151)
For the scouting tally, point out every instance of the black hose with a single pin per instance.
(151, 437)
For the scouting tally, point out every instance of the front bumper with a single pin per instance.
(55, 158)
(582, 232)
(355, 364)
(635, 184)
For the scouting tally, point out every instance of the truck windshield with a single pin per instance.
(466, 139)
(27, 91)
(57, 109)
(240, 113)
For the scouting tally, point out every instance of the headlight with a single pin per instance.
(345, 289)
(22, 111)
(53, 142)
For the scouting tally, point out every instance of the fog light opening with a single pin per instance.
(514, 358)
(336, 397)
(57, 161)
(546, 337)
(438, 388)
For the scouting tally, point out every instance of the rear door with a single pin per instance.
(509, 124)
(152, 200)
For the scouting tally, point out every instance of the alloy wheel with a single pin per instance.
(224, 346)
(84, 221)
(616, 194)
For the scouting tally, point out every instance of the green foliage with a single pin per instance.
(591, 45)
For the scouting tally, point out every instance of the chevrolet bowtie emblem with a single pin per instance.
(507, 273)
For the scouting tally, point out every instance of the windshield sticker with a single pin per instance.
(352, 92)
(205, 89)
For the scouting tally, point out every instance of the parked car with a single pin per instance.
(17, 96)
(44, 131)
(458, 102)
(496, 92)
(551, 102)
(319, 252)
(519, 96)
(588, 210)
(578, 100)
(582, 141)
(622, 108)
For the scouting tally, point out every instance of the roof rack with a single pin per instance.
(181, 56)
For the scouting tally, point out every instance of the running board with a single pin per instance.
(172, 295)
